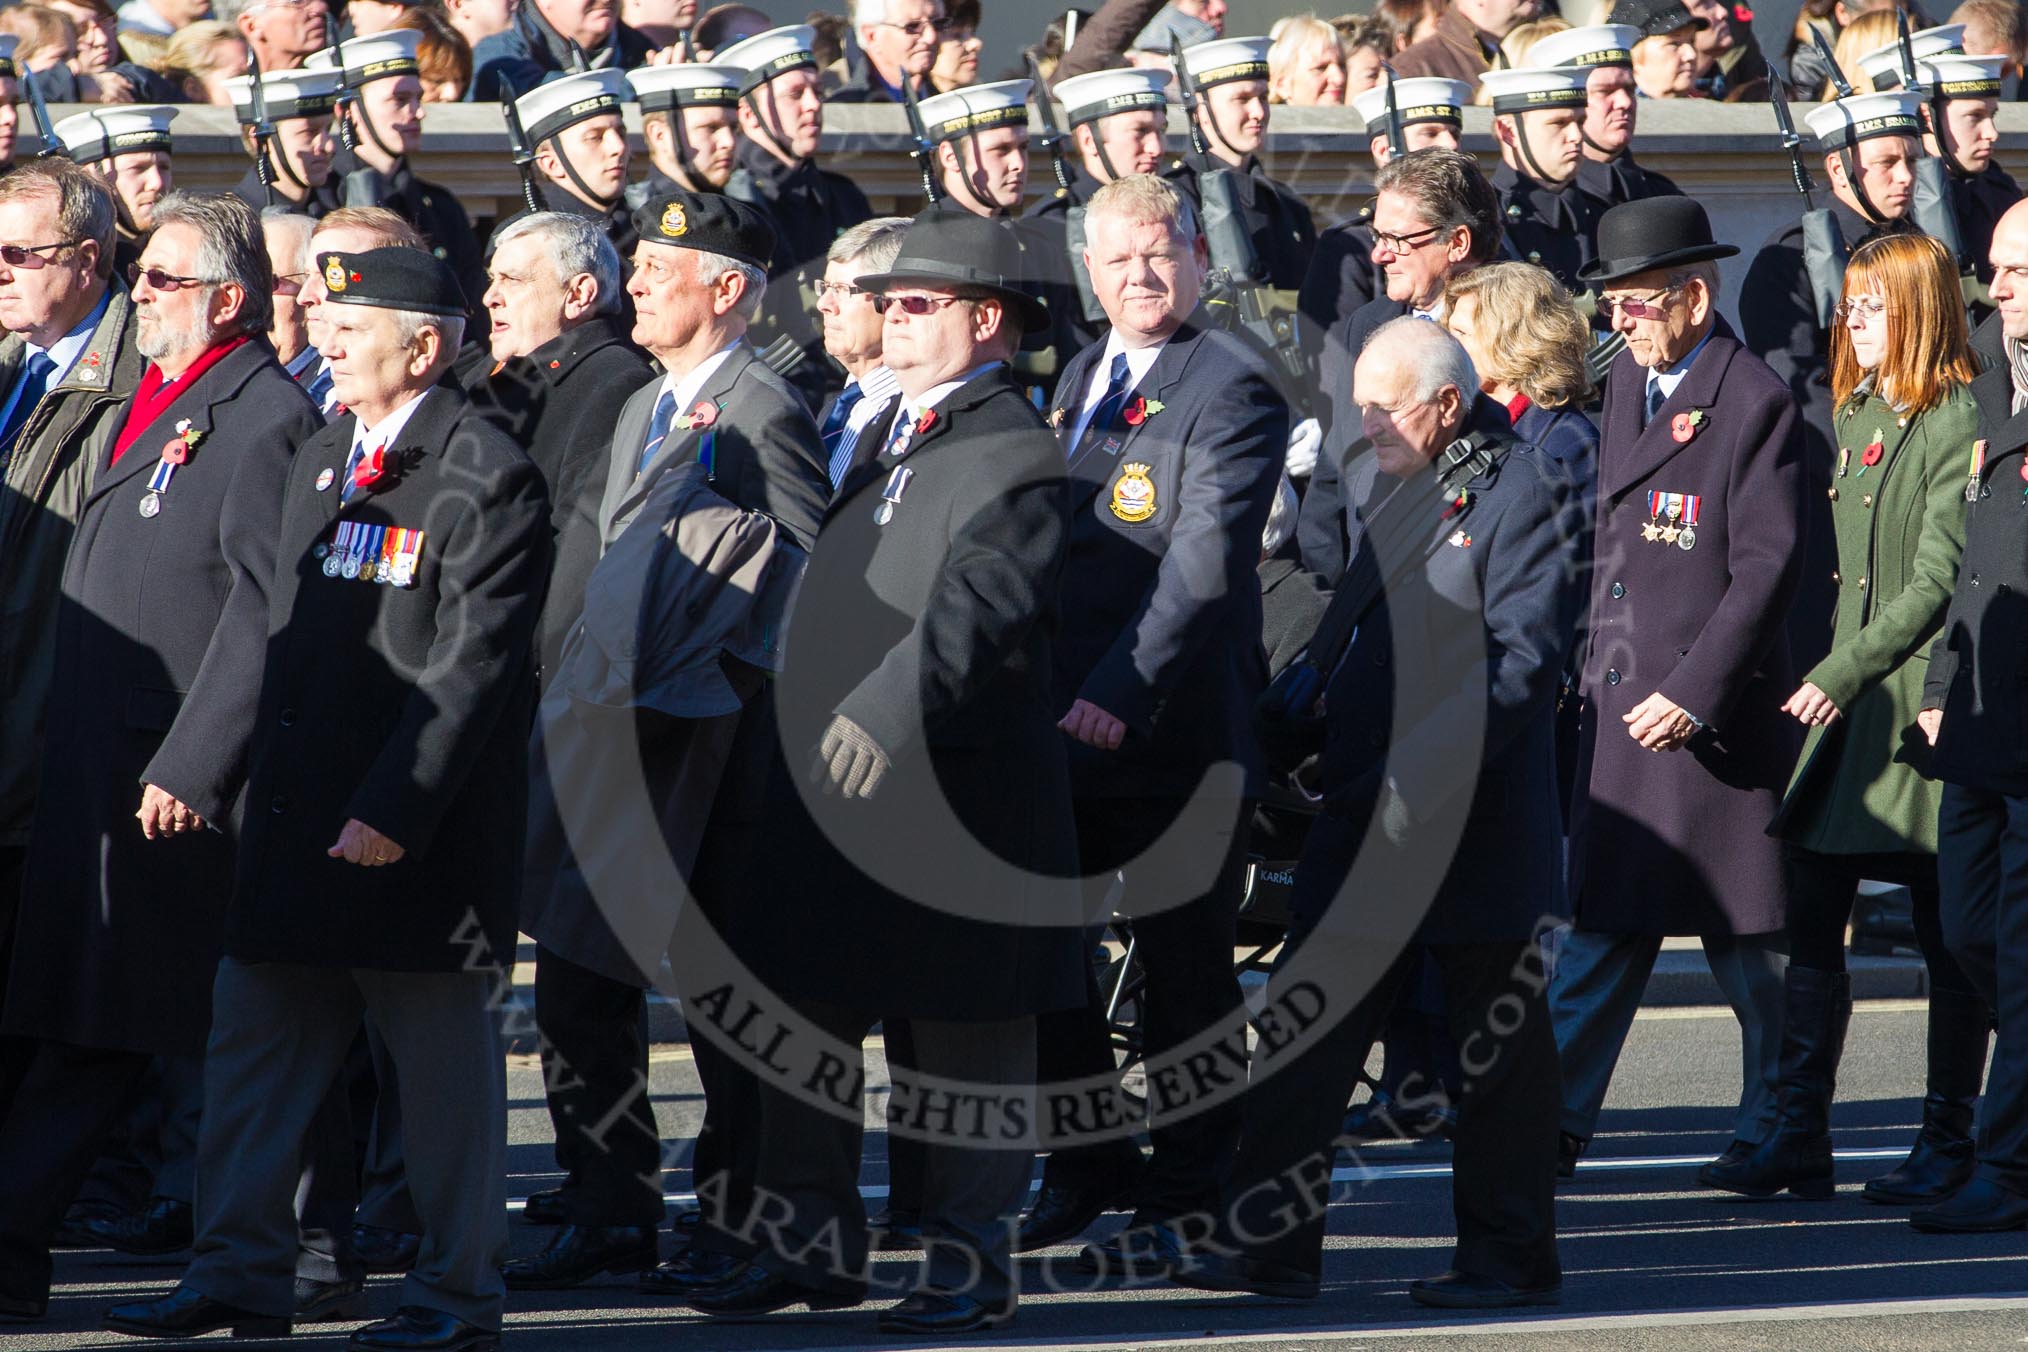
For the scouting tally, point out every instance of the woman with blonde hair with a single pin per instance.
(1306, 63)
(1867, 33)
(1859, 805)
(203, 56)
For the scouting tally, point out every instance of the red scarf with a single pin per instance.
(153, 397)
(1517, 406)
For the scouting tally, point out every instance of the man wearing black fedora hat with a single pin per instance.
(918, 726)
(1699, 534)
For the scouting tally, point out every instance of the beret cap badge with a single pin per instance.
(674, 221)
(334, 273)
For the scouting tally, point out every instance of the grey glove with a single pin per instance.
(849, 761)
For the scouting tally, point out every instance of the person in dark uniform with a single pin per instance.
(562, 368)
(1699, 549)
(118, 938)
(1174, 434)
(130, 147)
(1964, 97)
(1971, 714)
(371, 704)
(1870, 146)
(381, 128)
(690, 122)
(1469, 620)
(1538, 121)
(580, 140)
(1607, 171)
(1342, 276)
(299, 106)
(719, 403)
(1232, 77)
(915, 706)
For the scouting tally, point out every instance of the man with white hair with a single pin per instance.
(287, 235)
(1451, 630)
(898, 45)
(280, 35)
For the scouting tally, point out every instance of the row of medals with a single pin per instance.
(1683, 537)
(353, 568)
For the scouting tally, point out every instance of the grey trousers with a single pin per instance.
(279, 1033)
(1596, 989)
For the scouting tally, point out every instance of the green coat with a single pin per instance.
(1860, 785)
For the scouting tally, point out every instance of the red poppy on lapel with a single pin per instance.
(1686, 425)
(370, 469)
(926, 421)
(1141, 410)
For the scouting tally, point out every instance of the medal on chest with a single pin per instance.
(898, 480)
(359, 552)
(175, 453)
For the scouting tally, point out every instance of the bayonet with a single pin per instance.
(1192, 97)
(689, 45)
(923, 153)
(1397, 135)
(1838, 80)
(517, 144)
(263, 129)
(1909, 78)
(1052, 138)
(348, 99)
(1778, 96)
(52, 144)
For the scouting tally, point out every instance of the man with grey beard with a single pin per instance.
(121, 923)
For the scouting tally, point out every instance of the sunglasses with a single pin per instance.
(916, 29)
(1634, 308)
(30, 255)
(159, 280)
(915, 305)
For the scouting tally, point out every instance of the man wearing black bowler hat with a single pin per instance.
(921, 844)
(382, 756)
(1683, 749)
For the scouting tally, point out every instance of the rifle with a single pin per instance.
(923, 153)
(263, 129)
(689, 45)
(1052, 136)
(1823, 245)
(52, 144)
(1235, 289)
(517, 144)
(1935, 210)
(363, 186)
(1052, 141)
(1397, 135)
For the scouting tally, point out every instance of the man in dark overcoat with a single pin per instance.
(697, 283)
(1973, 717)
(1173, 433)
(920, 804)
(381, 749)
(119, 938)
(1683, 749)
(561, 371)
(1441, 833)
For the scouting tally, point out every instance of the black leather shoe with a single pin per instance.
(543, 1208)
(1461, 1291)
(1978, 1207)
(1569, 1150)
(1061, 1215)
(383, 1250)
(415, 1328)
(894, 1231)
(752, 1289)
(580, 1253)
(185, 1313)
(691, 1269)
(162, 1226)
(1217, 1272)
(1383, 1118)
(1727, 1169)
(329, 1302)
(942, 1313)
(1137, 1253)
(71, 1234)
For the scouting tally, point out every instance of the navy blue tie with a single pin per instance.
(33, 385)
(658, 429)
(1118, 381)
(1655, 401)
(837, 454)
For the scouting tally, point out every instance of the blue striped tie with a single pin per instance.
(1108, 411)
(837, 452)
(658, 429)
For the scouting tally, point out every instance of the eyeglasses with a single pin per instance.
(1401, 244)
(916, 29)
(916, 305)
(159, 280)
(840, 290)
(1865, 308)
(286, 283)
(1635, 307)
(30, 255)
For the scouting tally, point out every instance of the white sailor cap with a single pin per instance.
(1957, 76)
(8, 42)
(775, 52)
(1599, 44)
(1533, 88)
(661, 88)
(288, 93)
(1883, 64)
(976, 108)
(556, 104)
(1087, 98)
(115, 129)
(377, 56)
(1421, 98)
(1845, 122)
(1227, 59)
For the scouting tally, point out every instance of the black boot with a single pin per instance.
(1796, 1155)
(1942, 1159)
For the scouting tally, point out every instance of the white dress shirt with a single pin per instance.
(1139, 360)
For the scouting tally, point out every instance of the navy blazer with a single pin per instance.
(1449, 689)
(1161, 602)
